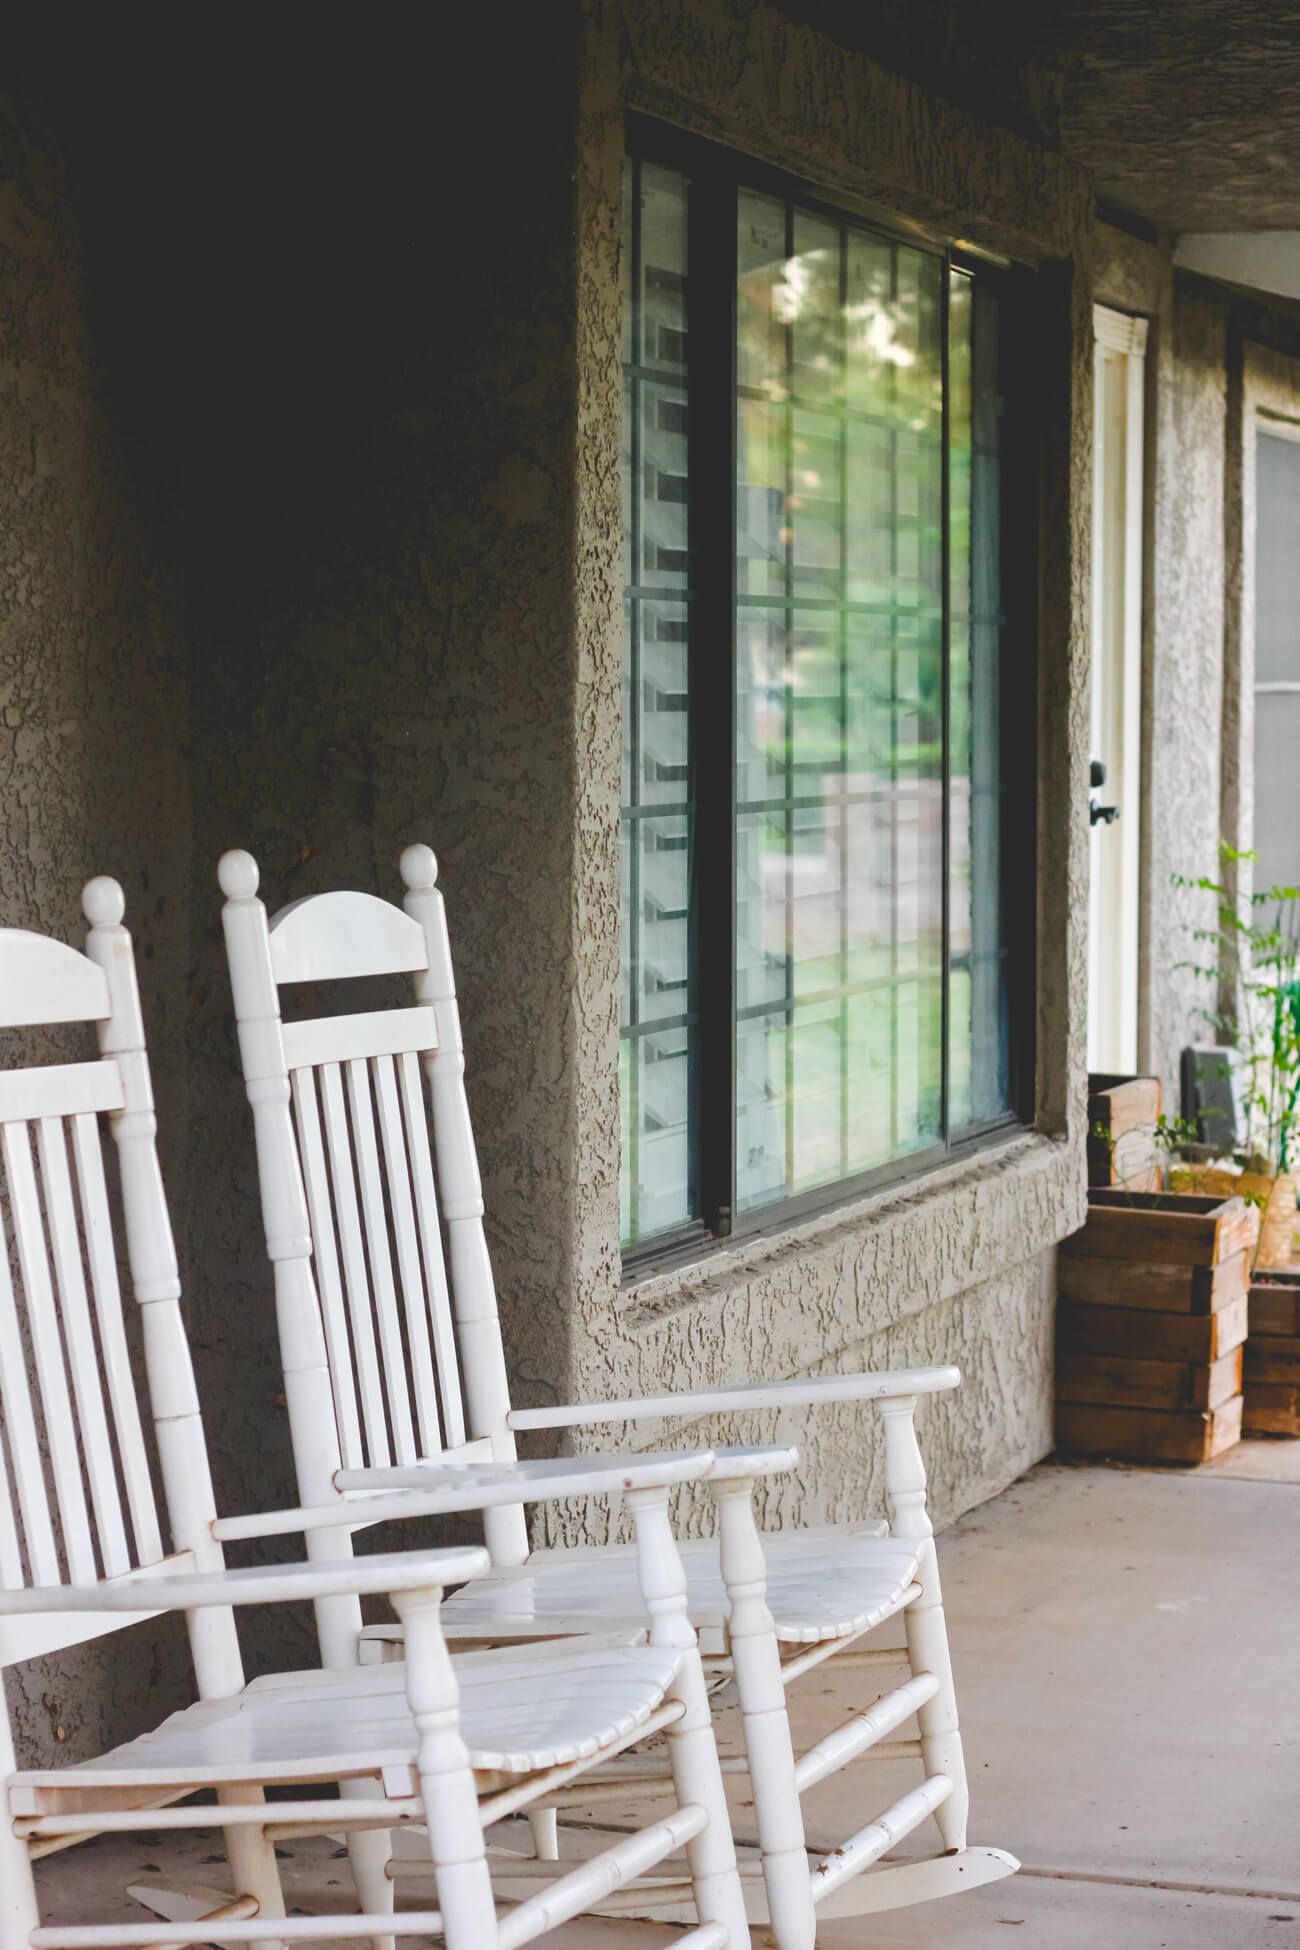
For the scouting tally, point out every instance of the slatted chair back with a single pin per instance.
(77, 1494)
(377, 1179)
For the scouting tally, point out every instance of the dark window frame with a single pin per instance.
(717, 176)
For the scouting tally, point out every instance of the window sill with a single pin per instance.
(875, 1260)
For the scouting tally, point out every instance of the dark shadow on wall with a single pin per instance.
(326, 271)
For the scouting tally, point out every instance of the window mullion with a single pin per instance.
(945, 706)
(712, 258)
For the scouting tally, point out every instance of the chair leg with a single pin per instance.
(469, 1918)
(19, 1915)
(545, 1824)
(369, 1852)
(941, 1747)
(253, 1867)
(760, 1687)
(927, 1632)
(692, 1748)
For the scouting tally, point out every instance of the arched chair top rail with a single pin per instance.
(329, 936)
(45, 981)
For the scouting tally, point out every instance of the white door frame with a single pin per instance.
(1116, 707)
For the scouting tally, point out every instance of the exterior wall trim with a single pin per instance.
(865, 1266)
(1263, 394)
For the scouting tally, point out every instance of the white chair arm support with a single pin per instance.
(435, 1489)
(262, 1584)
(821, 1390)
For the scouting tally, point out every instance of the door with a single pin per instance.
(1115, 799)
(1277, 656)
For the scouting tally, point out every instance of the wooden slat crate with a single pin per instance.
(1271, 1369)
(1125, 1109)
(1153, 1302)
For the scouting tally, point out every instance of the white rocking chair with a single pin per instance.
(351, 1173)
(449, 1744)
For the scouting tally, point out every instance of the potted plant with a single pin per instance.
(1252, 953)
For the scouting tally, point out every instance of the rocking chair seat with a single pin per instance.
(521, 1710)
(822, 1583)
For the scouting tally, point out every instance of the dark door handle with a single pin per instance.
(1098, 814)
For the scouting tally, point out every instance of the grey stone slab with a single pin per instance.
(1124, 1644)
(1260, 1459)
(1067, 1915)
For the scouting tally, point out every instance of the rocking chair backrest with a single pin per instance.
(77, 1500)
(349, 1174)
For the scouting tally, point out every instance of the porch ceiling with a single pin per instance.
(1188, 115)
(1186, 112)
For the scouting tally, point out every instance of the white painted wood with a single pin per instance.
(818, 1392)
(478, 1328)
(42, 1324)
(443, 1489)
(259, 1584)
(871, 1842)
(343, 1188)
(79, 1340)
(855, 1738)
(382, 1289)
(336, 1039)
(39, 1633)
(415, 1311)
(59, 1092)
(328, 937)
(814, 1593)
(114, 1354)
(47, 982)
(1115, 850)
(526, 1713)
(425, 1199)
(20, 1434)
(329, 1278)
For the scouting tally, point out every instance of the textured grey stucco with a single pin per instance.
(395, 614)
(1186, 694)
(887, 1272)
(92, 726)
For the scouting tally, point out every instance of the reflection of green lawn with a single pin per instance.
(867, 1072)
(844, 1044)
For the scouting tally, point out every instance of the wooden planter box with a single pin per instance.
(1271, 1369)
(1125, 1109)
(1151, 1318)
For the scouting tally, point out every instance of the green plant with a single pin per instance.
(1167, 1134)
(1256, 961)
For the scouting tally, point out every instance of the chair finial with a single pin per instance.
(419, 868)
(102, 902)
(238, 874)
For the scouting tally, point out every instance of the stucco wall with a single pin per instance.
(395, 392)
(93, 721)
(1183, 782)
(1216, 358)
(961, 1259)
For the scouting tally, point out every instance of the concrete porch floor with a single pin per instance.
(1125, 1650)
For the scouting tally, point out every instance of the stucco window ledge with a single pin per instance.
(808, 1289)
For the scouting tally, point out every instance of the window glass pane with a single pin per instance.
(657, 1015)
(979, 1037)
(839, 678)
(869, 1009)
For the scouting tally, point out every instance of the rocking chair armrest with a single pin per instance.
(820, 1390)
(260, 1584)
(436, 1489)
